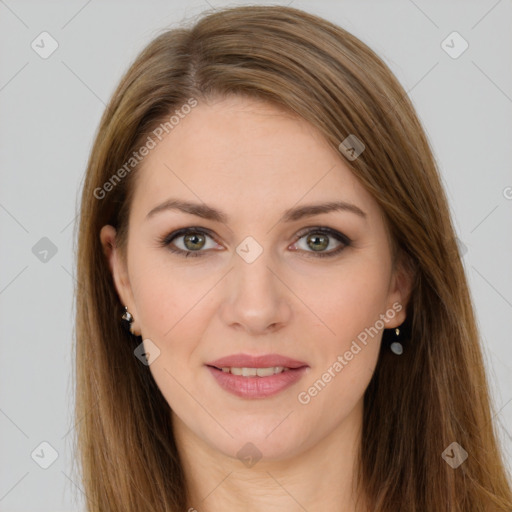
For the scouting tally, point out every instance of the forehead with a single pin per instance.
(246, 153)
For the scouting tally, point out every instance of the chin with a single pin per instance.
(264, 441)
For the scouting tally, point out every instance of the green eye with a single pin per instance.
(192, 241)
(319, 239)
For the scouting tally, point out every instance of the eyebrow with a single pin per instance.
(293, 214)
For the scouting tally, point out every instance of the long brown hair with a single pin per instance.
(416, 405)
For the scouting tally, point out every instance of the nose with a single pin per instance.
(256, 300)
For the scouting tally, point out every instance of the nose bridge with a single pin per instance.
(254, 274)
(253, 277)
(257, 299)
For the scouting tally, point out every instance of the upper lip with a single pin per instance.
(263, 361)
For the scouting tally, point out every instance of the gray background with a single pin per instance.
(49, 112)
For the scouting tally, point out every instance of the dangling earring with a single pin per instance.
(396, 347)
(128, 317)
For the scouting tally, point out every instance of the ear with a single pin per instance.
(400, 290)
(119, 272)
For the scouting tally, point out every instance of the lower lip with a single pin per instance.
(257, 387)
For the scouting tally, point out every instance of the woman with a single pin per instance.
(272, 313)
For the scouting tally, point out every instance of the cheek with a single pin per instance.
(348, 334)
(173, 301)
(347, 301)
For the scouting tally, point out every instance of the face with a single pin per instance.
(246, 269)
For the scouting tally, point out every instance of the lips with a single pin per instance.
(263, 361)
(275, 373)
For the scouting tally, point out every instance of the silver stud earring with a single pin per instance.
(128, 317)
(396, 347)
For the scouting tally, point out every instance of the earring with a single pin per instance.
(128, 317)
(396, 347)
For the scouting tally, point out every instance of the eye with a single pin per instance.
(318, 239)
(187, 241)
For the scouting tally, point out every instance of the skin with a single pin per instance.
(253, 161)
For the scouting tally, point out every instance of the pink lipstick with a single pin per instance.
(262, 376)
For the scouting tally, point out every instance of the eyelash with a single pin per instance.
(166, 240)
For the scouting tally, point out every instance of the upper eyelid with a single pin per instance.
(322, 229)
(178, 233)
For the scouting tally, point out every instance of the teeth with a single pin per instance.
(253, 372)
